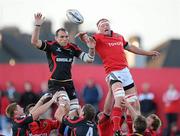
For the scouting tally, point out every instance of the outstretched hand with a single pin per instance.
(39, 19)
(81, 36)
(155, 54)
(91, 43)
(46, 97)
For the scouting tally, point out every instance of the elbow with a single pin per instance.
(90, 61)
(56, 117)
(33, 41)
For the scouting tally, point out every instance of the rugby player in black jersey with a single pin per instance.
(60, 54)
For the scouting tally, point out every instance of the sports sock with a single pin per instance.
(129, 123)
(116, 118)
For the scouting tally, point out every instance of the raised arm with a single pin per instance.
(132, 111)
(43, 108)
(36, 32)
(91, 43)
(41, 101)
(63, 106)
(140, 51)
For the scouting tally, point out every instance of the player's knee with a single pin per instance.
(131, 98)
(74, 105)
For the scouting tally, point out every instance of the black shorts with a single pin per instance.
(68, 85)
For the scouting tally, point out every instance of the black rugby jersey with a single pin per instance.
(60, 58)
(20, 125)
(81, 126)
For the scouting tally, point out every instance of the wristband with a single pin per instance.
(38, 25)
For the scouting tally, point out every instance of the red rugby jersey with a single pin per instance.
(105, 126)
(111, 51)
(149, 132)
(43, 127)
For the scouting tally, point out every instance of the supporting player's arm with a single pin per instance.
(36, 32)
(63, 109)
(41, 101)
(132, 111)
(43, 108)
(139, 51)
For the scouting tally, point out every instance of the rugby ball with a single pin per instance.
(74, 16)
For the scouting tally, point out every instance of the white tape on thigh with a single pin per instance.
(131, 98)
(119, 92)
(74, 105)
(64, 97)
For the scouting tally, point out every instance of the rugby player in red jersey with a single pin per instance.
(104, 124)
(110, 46)
(41, 127)
(153, 121)
(139, 126)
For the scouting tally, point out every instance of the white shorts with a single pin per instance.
(124, 76)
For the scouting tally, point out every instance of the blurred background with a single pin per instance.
(150, 24)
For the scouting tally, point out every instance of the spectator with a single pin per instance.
(28, 96)
(44, 88)
(4, 122)
(171, 101)
(92, 93)
(12, 94)
(146, 98)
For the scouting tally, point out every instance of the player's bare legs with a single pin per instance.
(131, 97)
(134, 101)
(119, 94)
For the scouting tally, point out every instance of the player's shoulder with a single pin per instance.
(117, 34)
(72, 46)
(96, 35)
(22, 118)
(49, 42)
(74, 119)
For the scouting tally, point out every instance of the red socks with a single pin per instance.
(129, 123)
(116, 118)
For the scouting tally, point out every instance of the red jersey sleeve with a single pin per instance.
(54, 124)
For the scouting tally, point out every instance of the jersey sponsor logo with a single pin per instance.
(111, 44)
(64, 59)
(58, 49)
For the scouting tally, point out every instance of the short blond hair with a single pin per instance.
(10, 110)
(156, 121)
